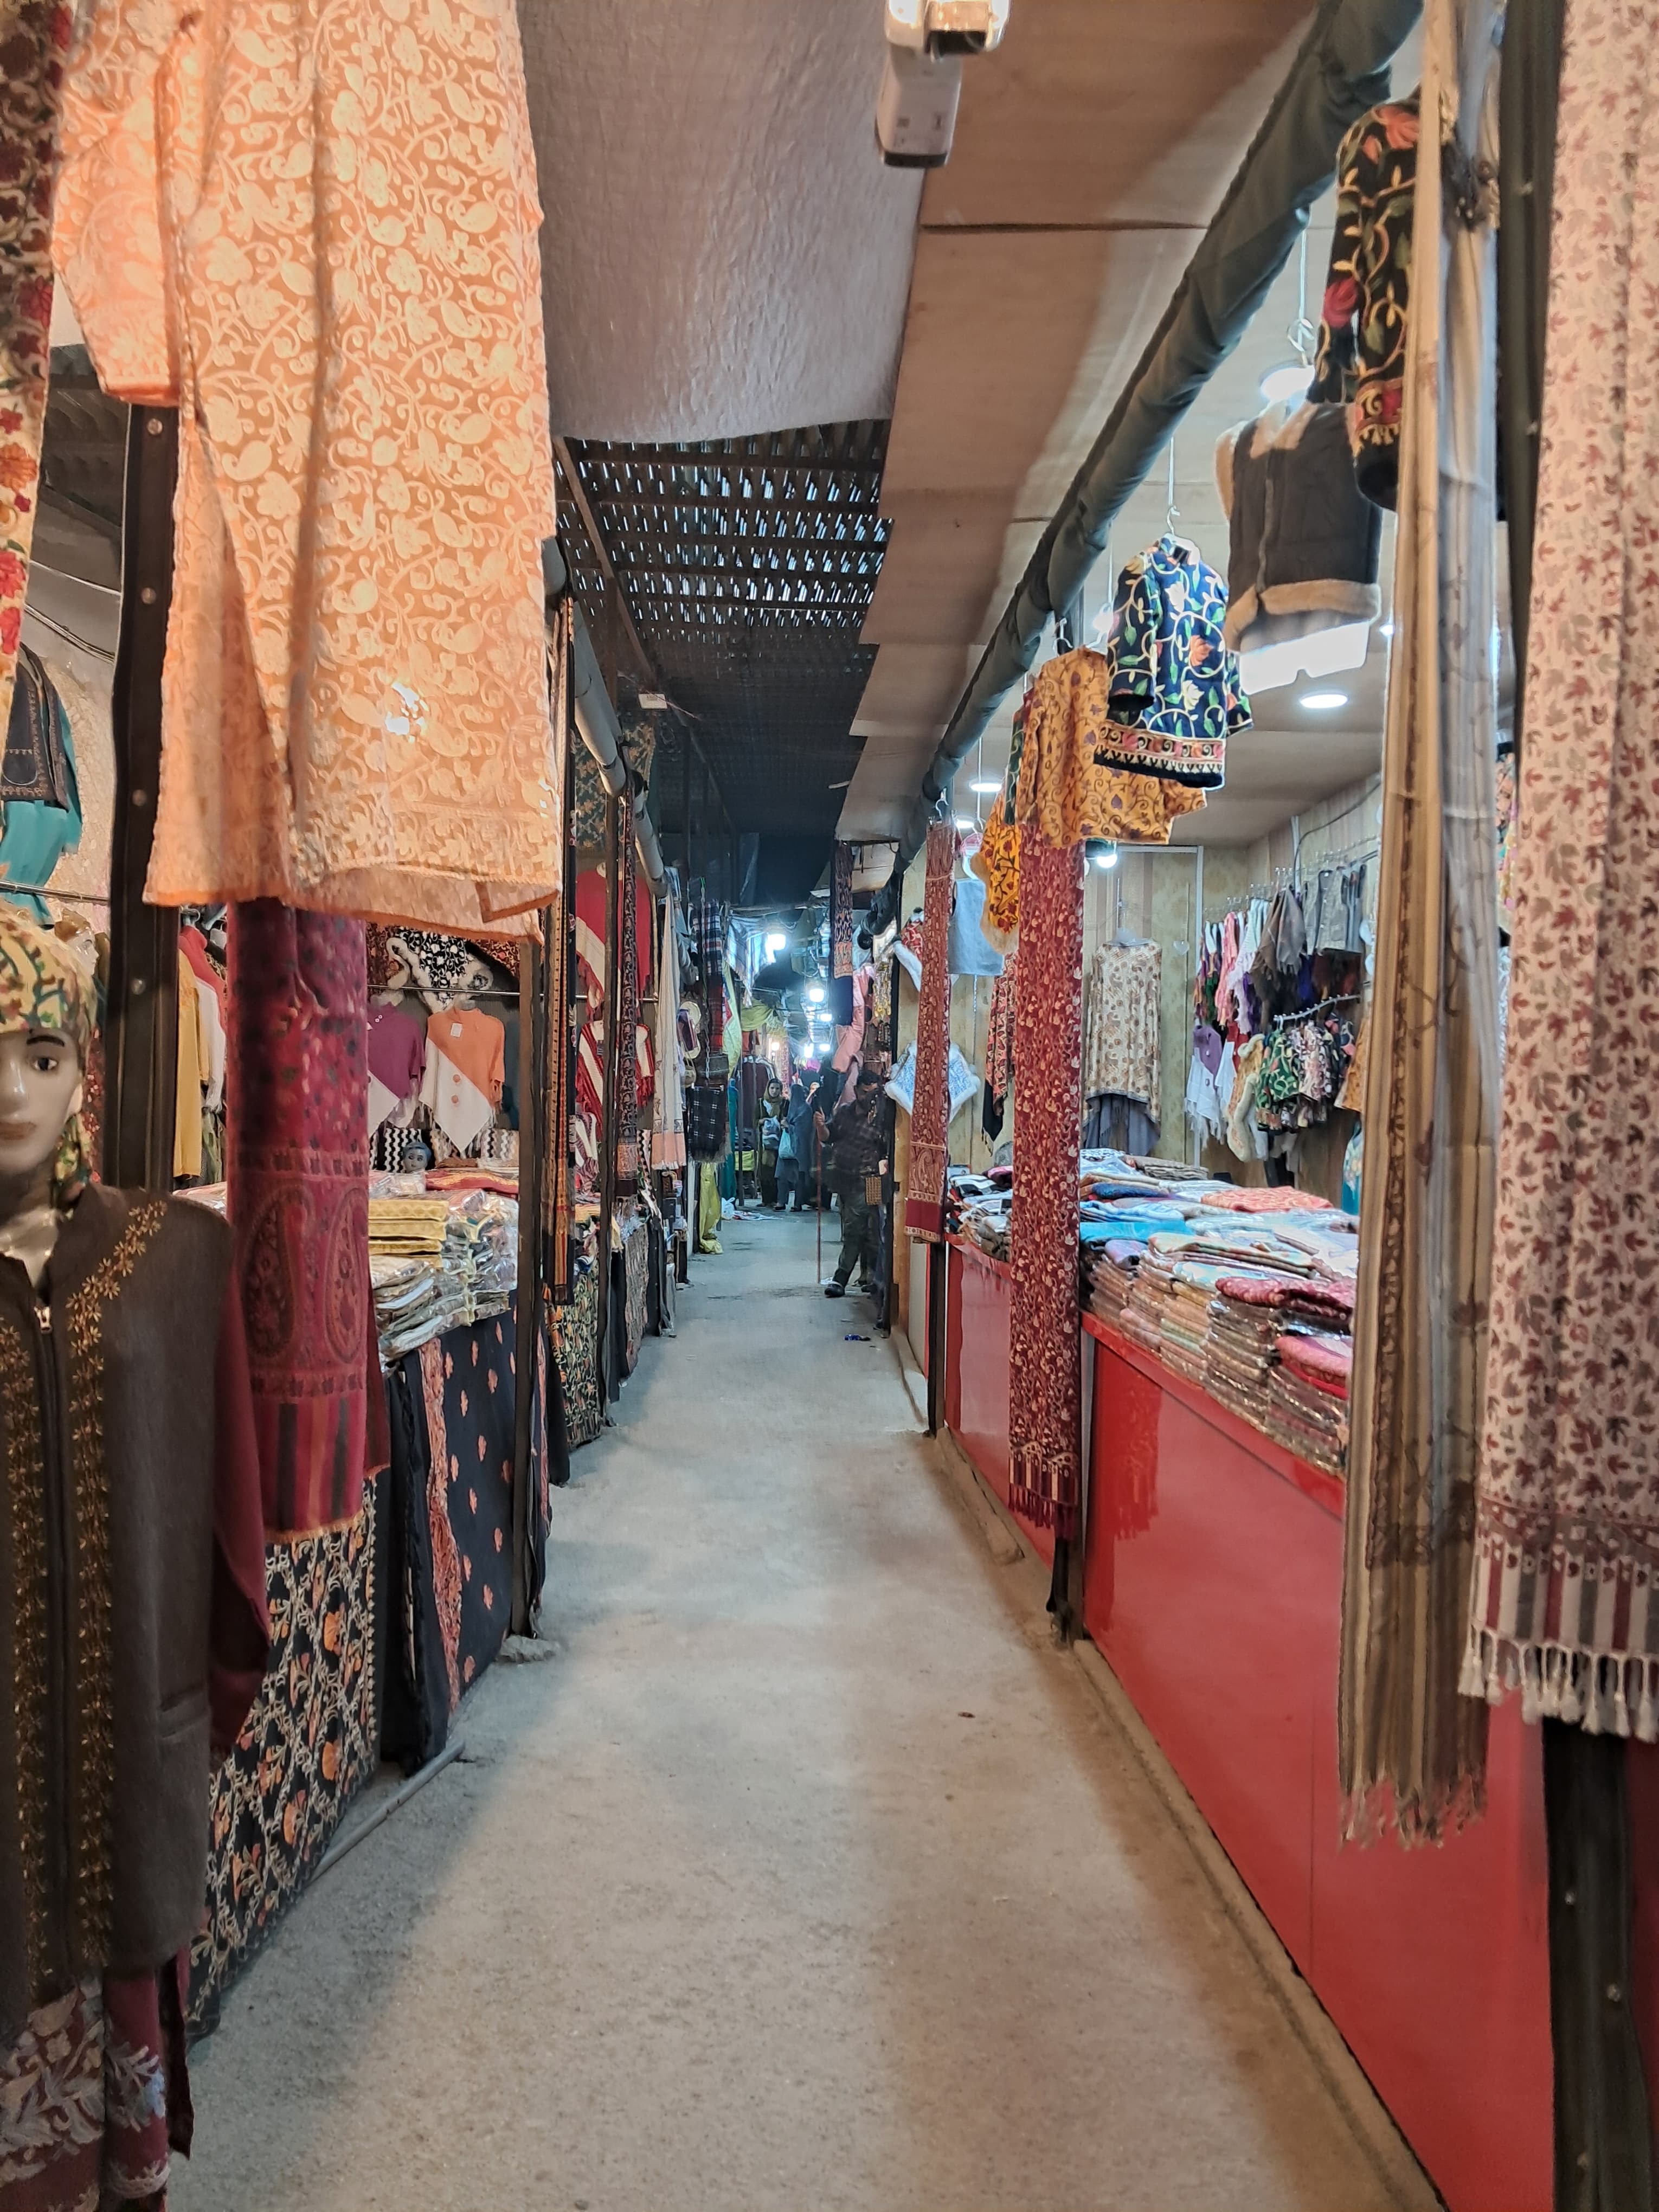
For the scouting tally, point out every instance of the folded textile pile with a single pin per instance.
(1143, 1309)
(1308, 1398)
(1280, 1198)
(1249, 1314)
(1113, 1267)
(1184, 1318)
(412, 1227)
(437, 1259)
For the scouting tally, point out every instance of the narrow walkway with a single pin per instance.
(804, 1875)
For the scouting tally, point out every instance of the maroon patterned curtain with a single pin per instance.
(930, 1112)
(1045, 1384)
(297, 1164)
(628, 1008)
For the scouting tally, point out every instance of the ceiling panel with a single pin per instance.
(723, 250)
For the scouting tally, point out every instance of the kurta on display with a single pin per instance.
(315, 233)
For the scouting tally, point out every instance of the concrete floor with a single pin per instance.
(805, 1874)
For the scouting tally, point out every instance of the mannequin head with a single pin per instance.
(47, 1000)
(39, 1094)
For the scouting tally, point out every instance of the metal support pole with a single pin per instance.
(937, 1255)
(141, 1028)
(531, 1159)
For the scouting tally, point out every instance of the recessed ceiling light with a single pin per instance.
(1290, 382)
(1322, 703)
(986, 790)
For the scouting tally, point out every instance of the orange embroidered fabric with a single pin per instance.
(316, 232)
(1064, 788)
(996, 863)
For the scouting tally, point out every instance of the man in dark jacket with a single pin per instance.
(860, 1149)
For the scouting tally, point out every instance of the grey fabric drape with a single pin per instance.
(1411, 1751)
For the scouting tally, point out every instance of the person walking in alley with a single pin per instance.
(855, 1133)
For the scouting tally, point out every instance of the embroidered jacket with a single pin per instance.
(1361, 359)
(1171, 682)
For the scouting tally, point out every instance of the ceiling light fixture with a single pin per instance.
(966, 822)
(1290, 382)
(1108, 858)
(1322, 703)
(814, 994)
(775, 942)
(985, 790)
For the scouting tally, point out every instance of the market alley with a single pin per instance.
(803, 1872)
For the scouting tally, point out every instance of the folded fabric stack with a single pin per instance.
(1184, 1318)
(1308, 1399)
(410, 1228)
(1112, 1267)
(1268, 1199)
(1143, 1309)
(437, 1258)
(1249, 1315)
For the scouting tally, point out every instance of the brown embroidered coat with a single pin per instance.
(133, 1632)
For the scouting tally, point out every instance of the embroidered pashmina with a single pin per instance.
(930, 1117)
(841, 910)
(1065, 780)
(1567, 1532)
(1411, 1751)
(297, 1169)
(1000, 1031)
(1045, 1380)
(315, 230)
(94, 2097)
(1121, 1046)
(35, 37)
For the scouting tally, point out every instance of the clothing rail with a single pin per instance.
(1319, 1006)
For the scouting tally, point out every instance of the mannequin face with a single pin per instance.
(40, 1089)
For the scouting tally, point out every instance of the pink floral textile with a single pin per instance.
(1045, 1382)
(930, 1114)
(35, 36)
(1567, 1509)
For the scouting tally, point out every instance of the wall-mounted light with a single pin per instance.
(1108, 858)
(1289, 382)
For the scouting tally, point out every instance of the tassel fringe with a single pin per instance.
(1606, 1694)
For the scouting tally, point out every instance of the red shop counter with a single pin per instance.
(1212, 1573)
